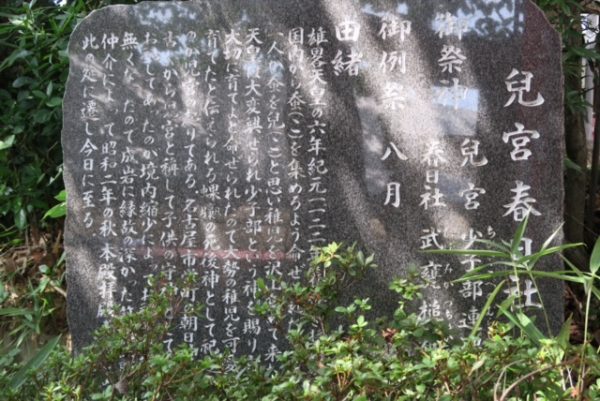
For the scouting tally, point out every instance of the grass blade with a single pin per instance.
(34, 363)
(516, 242)
(486, 307)
(533, 258)
(13, 312)
(486, 253)
(595, 258)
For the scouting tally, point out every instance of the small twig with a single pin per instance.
(503, 374)
(58, 289)
(526, 377)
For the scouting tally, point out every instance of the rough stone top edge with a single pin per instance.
(143, 3)
(549, 25)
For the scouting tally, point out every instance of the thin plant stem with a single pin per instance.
(580, 381)
(544, 313)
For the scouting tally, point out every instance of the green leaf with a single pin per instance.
(54, 102)
(478, 269)
(558, 275)
(516, 242)
(588, 283)
(528, 326)
(571, 265)
(477, 365)
(596, 292)
(21, 219)
(571, 165)
(585, 53)
(361, 258)
(563, 276)
(14, 56)
(41, 115)
(533, 258)
(39, 94)
(507, 303)
(475, 252)
(62, 196)
(595, 258)
(551, 237)
(524, 323)
(562, 338)
(492, 244)
(34, 363)
(7, 142)
(22, 81)
(13, 312)
(56, 211)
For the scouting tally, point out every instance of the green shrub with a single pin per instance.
(359, 359)
(34, 71)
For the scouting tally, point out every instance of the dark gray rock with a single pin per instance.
(227, 138)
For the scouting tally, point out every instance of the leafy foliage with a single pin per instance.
(33, 71)
(362, 359)
(35, 67)
(359, 359)
(60, 209)
(33, 48)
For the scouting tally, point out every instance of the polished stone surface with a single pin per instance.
(227, 138)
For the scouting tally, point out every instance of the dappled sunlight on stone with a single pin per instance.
(229, 139)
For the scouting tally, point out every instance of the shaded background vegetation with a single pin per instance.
(33, 72)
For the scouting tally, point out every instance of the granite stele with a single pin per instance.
(229, 138)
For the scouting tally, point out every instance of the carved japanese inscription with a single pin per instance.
(229, 139)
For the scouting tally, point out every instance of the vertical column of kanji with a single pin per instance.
(161, 167)
(257, 162)
(450, 94)
(210, 192)
(297, 253)
(233, 168)
(522, 203)
(188, 187)
(347, 60)
(126, 162)
(295, 130)
(90, 116)
(109, 192)
(450, 63)
(211, 188)
(394, 32)
(472, 290)
(317, 130)
(160, 193)
(230, 300)
(316, 167)
(433, 160)
(147, 174)
(452, 56)
(275, 166)
(154, 256)
(202, 190)
(278, 109)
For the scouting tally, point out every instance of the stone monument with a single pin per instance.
(229, 138)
